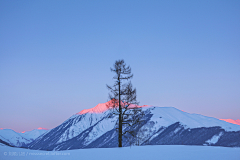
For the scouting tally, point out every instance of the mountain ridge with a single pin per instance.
(96, 127)
(90, 129)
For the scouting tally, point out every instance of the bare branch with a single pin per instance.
(131, 132)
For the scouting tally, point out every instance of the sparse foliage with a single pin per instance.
(123, 101)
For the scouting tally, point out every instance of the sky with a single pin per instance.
(55, 57)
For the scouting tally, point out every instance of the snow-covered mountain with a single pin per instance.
(95, 128)
(20, 139)
(13, 138)
(33, 134)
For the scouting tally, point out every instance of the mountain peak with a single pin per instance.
(102, 107)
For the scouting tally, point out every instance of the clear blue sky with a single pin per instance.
(55, 56)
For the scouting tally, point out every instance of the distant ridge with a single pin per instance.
(20, 139)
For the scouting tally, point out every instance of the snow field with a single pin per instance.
(160, 152)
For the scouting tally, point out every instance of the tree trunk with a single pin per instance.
(120, 118)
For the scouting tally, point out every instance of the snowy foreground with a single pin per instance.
(160, 152)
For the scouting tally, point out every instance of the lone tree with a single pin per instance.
(123, 101)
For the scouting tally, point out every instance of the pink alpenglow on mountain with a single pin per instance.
(232, 121)
(40, 128)
(102, 107)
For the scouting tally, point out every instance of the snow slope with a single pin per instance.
(13, 138)
(80, 122)
(161, 152)
(214, 139)
(32, 135)
(170, 115)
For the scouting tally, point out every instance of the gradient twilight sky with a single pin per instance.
(55, 56)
